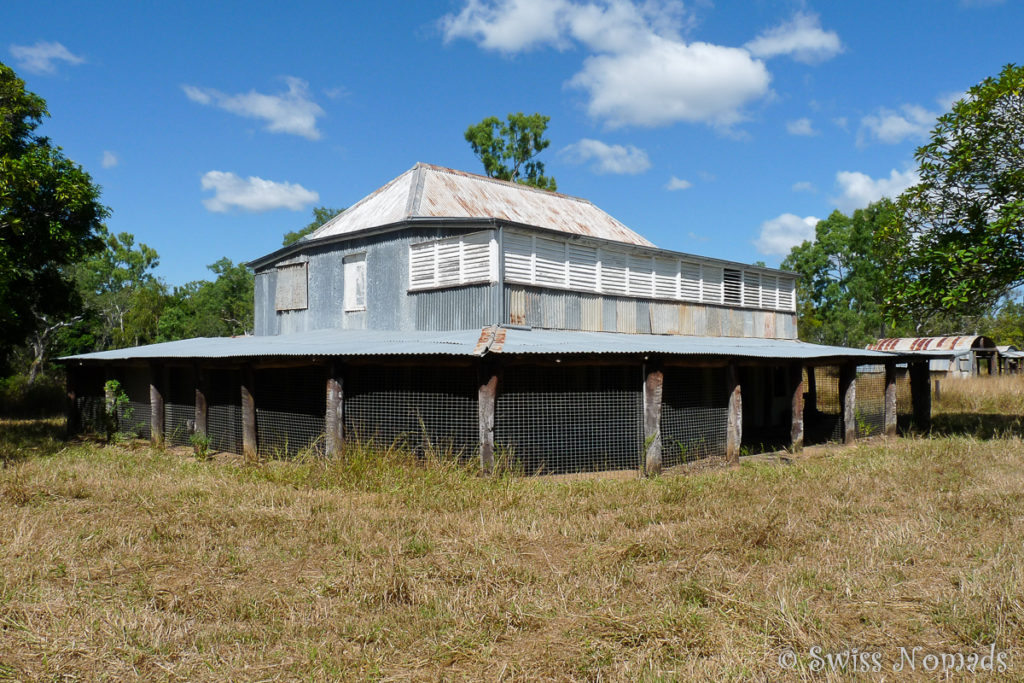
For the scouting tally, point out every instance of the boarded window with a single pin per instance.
(550, 264)
(355, 282)
(290, 294)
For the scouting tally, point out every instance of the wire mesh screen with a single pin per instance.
(869, 410)
(904, 400)
(133, 416)
(425, 409)
(89, 398)
(290, 408)
(694, 414)
(823, 413)
(559, 420)
(179, 406)
(224, 410)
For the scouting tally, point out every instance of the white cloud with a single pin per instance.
(289, 112)
(886, 125)
(800, 127)
(804, 186)
(802, 38)
(678, 184)
(507, 26)
(41, 58)
(784, 232)
(665, 81)
(605, 158)
(253, 194)
(857, 190)
(639, 71)
(110, 160)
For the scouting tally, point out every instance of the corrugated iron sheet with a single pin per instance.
(932, 343)
(427, 191)
(476, 342)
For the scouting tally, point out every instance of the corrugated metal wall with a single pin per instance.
(559, 309)
(389, 304)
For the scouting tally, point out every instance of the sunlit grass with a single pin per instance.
(123, 562)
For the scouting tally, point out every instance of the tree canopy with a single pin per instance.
(957, 242)
(50, 217)
(321, 214)
(840, 288)
(508, 149)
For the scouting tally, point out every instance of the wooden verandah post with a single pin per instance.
(487, 394)
(796, 383)
(334, 419)
(848, 400)
(889, 409)
(734, 428)
(202, 405)
(156, 404)
(654, 380)
(250, 445)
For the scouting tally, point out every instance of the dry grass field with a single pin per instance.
(122, 562)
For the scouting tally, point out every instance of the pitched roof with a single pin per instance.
(427, 191)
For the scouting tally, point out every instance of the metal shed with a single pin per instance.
(951, 356)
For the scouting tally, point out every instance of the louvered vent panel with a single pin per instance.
(751, 289)
(641, 276)
(582, 267)
(690, 281)
(421, 265)
(666, 279)
(448, 262)
(550, 263)
(476, 257)
(613, 272)
(769, 291)
(518, 258)
(712, 277)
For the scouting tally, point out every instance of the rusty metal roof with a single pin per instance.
(961, 343)
(427, 191)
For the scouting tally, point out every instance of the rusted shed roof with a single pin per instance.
(961, 343)
(427, 191)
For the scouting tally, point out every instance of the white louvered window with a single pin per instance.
(453, 261)
(666, 278)
(690, 281)
(751, 289)
(555, 263)
(550, 266)
(613, 272)
(518, 258)
(711, 281)
(582, 267)
(477, 251)
(641, 276)
(421, 265)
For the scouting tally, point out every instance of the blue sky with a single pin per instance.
(722, 129)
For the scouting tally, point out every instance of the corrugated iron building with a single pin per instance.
(952, 356)
(471, 316)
